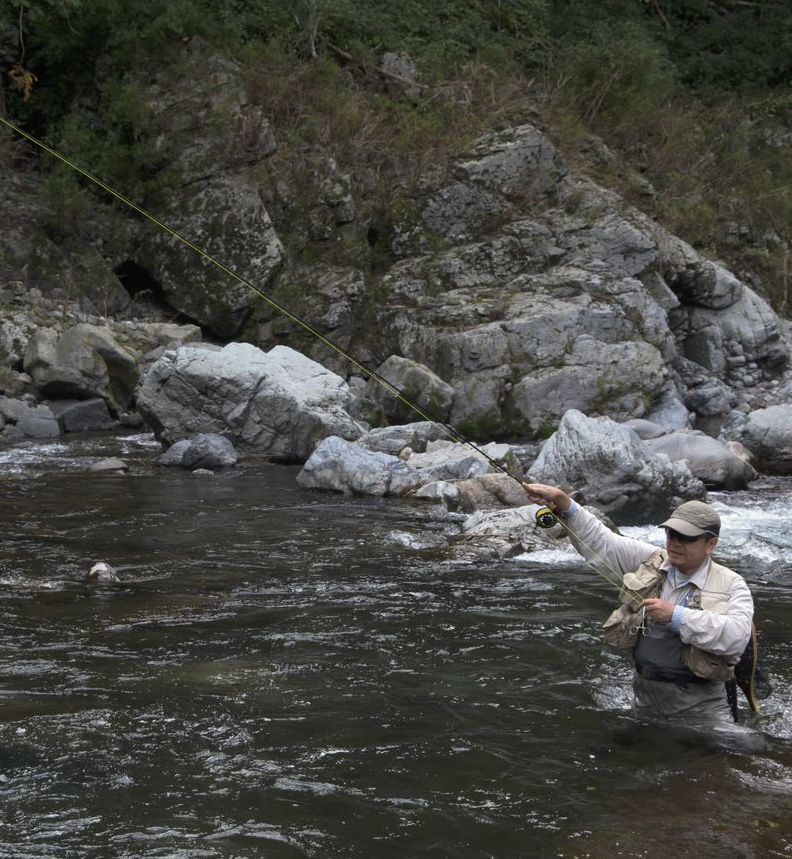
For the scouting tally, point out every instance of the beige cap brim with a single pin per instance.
(684, 527)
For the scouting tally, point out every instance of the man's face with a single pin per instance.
(687, 554)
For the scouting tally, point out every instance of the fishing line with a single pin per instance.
(449, 431)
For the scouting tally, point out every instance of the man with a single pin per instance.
(686, 618)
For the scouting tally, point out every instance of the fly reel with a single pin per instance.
(545, 518)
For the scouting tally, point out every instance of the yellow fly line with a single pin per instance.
(449, 431)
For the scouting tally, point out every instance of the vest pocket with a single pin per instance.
(707, 665)
(620, 630)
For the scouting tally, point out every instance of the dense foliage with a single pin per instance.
(693, 95)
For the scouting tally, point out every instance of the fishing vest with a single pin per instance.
(622, 628)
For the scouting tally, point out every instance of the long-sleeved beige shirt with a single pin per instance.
(725, 634)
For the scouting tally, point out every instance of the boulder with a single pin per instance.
(13, 343)
(85, 361)
(205, 451)
(503, 533)
(174, 454)
(519, 355)
(39, 423)
(417, 383)
(147, 340)
(278, 402)
(741, 343)
(342, 466)
(709, 460)
(614, 470)
(394, 439)
(210, 452)
(443, 453)
(767, 434)
(489, 492)
(80, 415)
(441, 491)
(13, 410)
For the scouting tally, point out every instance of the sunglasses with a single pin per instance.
(683, 538)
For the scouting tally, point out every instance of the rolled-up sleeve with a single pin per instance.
(724, 634)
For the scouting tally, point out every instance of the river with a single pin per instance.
(284, 673)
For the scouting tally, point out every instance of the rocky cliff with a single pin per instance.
(515, 288)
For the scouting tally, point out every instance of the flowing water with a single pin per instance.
(284, 673)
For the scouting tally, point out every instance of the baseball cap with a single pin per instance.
(694, 518)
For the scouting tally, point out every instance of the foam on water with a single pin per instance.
(561, 556)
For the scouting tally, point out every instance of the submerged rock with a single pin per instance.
(204, 451)
(102, 573)
(110, 465)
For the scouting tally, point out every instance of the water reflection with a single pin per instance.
(286, 674)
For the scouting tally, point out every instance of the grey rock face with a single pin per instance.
(460, 211)
(740, 344)
(528, 316)
(709, 460)
(613, 378)
(614, 470)
(85, 361)
(519, 160)
(227, 217)
(279, 402)
(609, 240)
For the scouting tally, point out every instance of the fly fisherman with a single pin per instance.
(686, 618)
